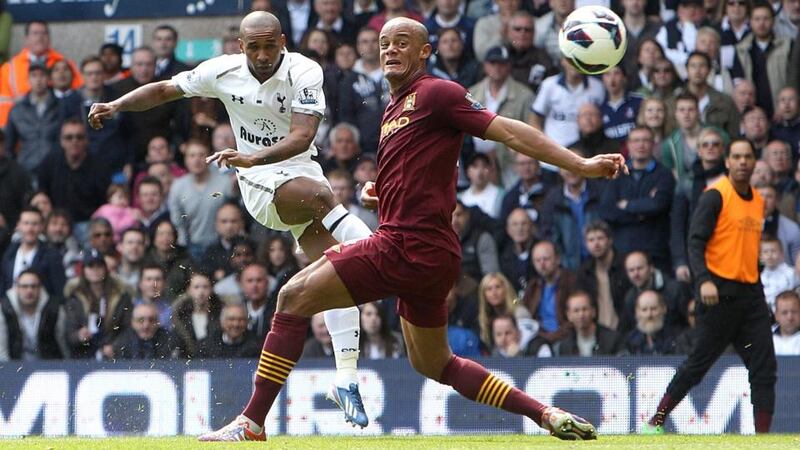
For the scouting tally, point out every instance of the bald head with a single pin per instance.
(259, 21)
(416, 29)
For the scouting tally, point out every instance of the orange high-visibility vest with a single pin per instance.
(14, 79)
(732, 251)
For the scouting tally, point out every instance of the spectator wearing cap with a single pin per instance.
(32, 321)
(98, 309)
(482, 192)
(34, 122)
(529, 64)
(111, 57)
(678, 35)
(763, 58)
(14, 74)
(31, 253)
(505, 96)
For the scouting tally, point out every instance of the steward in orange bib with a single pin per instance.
(724, 241)
(14, 73)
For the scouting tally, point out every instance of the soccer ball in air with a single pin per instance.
(593, 39)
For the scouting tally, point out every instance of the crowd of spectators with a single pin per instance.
(121, 243)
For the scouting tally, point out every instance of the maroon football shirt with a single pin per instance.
(421, 137)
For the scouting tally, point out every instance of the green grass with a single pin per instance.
(775, 441)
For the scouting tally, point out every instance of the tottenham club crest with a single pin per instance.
(281, 99)
(265, 125)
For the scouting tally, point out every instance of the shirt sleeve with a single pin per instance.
(704, 221)
(198, 82)
(459, 110)
(308, 95)
(540, 104)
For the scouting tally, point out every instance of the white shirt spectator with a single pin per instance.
(558, 104)
(489, 200)
(786, 345)
(777, 280)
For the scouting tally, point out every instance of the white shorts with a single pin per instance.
(258, 189)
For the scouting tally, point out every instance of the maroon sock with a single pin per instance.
(665, 406)
(282, 349)
(473, 381)
(763, 420)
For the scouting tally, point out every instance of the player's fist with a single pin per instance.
(708, 293)
(100, 112)
(230, 158)
(604, 166)
(369, 196)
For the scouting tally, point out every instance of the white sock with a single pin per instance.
(344, 327)
(345, 226)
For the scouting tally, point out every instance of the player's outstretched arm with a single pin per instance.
(527, 140)
(301, 134)
(140, 99)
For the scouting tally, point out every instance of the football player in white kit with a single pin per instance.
(275, 102)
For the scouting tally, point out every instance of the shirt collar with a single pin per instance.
(562, 80)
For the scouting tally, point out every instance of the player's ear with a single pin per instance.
(241, 45)
(283, 41)
(426, 51)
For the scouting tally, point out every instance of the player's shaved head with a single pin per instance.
(416, 29)
(259, 21)
(404, 47)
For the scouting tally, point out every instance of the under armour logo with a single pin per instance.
(356, 334)
(234, 98)
(281, 99)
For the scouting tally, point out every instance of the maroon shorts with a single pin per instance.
(387, 264)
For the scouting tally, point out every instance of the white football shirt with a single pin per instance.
(260, 114)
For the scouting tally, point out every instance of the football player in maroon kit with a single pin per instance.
(415, 253)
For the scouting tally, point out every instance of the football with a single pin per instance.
(593, 39)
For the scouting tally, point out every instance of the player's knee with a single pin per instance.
(323, 202)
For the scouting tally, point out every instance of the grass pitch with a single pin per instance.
(505, 442)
